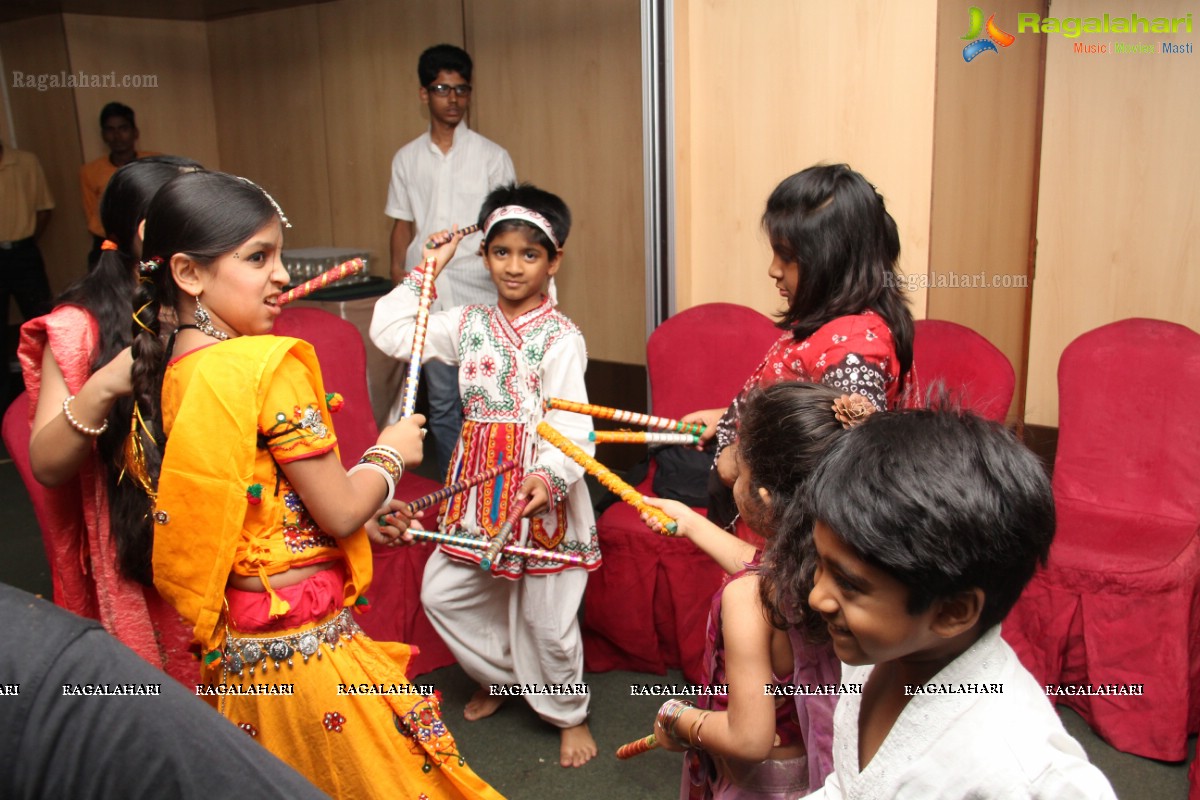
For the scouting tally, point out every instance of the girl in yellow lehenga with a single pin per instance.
(258, 538)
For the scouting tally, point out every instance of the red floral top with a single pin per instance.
(854, 353)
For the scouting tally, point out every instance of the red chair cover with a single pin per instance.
(1119, 602)
(343, 358)
(395, 593)
(645, 608)
(973, 369)
(396, 614)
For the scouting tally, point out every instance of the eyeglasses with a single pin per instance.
(444, 89)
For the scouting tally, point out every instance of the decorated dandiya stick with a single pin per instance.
(643, 745)
(343, 270)
(511, 549)
(505, 533)
(459, 486)
(643, 437)
(608, 479)
(628, 417)
(418, 345)
(467, 231)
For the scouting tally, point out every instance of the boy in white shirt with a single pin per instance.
(928, 526)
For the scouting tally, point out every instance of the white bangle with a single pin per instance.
(76, 424)
(391, 484)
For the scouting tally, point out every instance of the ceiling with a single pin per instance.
(149, 9)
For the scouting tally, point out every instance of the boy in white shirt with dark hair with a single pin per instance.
(929, 523)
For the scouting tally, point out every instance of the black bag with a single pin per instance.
(682, 473)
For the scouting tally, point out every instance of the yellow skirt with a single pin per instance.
(336, 706)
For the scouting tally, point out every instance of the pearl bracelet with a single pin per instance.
(76, 424)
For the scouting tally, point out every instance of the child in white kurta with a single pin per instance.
(517, 625)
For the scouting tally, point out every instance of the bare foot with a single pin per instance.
(481, 705)
(578, 746)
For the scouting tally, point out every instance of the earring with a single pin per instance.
(204, 323)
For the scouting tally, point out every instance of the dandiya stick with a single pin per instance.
(505, 533)
(629, 417)
(467, 231)
(608, 479)
(643, 437)
(643, 745)
(418, 345)
(458, 487)
(343, 270)
(479, 544)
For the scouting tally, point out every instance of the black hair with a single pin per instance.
(106, 293)
(117, 110)
(550, 206)
(942, 500)
(443, 57)
(784, 432)
(832, 222)
(203, 215)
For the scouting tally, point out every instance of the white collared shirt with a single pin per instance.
(439, 190)
(981, 728)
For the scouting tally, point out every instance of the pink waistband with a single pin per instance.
(310, 600)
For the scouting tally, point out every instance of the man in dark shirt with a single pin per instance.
(86, 717)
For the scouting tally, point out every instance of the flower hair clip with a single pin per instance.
(150, 265)
(852, 409)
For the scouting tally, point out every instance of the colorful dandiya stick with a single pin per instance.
(458, 487)
(418, 345)
(505, 533)
(467, 231)
(629, 417)
(643, 437)
(343, 270)
(511, 549)
(608, 479)
(643, 745)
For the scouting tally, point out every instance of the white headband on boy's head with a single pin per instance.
(524, 215)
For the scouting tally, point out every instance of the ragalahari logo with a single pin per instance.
(995, 36)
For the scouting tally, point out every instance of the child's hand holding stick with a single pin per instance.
(435, 262)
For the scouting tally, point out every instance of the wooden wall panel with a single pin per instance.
(774, 86)
(984, 175)
(1118, 229)
(559, 86)
(176, 114)
(269, 101)
(45, 124)
(369, 51)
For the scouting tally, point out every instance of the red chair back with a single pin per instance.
(343, 358)
(1125, 437)
(973, 370)
(701, 357)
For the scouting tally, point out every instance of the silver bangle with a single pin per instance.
(391, 483)
(76, 424)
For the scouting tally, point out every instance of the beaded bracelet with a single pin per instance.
(385, 461)
(76, 424)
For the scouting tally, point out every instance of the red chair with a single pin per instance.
(1119, 602)
(395, 594)
(973, 370)
(645, 608)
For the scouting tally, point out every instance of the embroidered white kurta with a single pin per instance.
(506, 370)
(986, 730)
